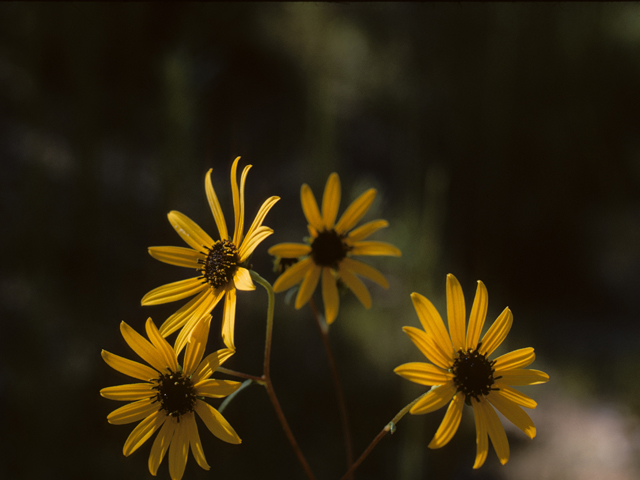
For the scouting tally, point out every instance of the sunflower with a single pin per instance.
(169, 396)
(331, 246)
(461, 371)
(221, 264)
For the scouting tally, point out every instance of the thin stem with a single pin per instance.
(246, 376)
(344, 419)
(227, 400)
(266, 376)
(389, 427)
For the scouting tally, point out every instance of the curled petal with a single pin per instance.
(242, 280)
(212, 198)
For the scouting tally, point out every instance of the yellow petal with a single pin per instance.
(178, 452)
(229, 319)
(428, 347)
(262, 213)
(366, 230)
(238, 201)
(433, 325)
(364, 270)
(129, 367)
(496, 431)
(202, 313)
(497, 332)
(330, 296)
(292, 275)
(437, 398)
(375, 248)
(242, 280)
(356, 286)
(423, 373)
(180, 256)
(252, 241)
(172, 292)
(331, 201)
(143, 432)
(519, 377)
(516, 397)
(218, 216)
(482, 439)
(163, 348)
(289, 250)
(196, 345)
(194, 440)
(184, 313)
(478, 315)
(513, 413)
(189, 231)
(517, 359)
(132, 412)
(142, 347)
(310, 208)
(450, 423)
(215, 388)
(308, 286)
(216, 423)
(456, 312)
(355, 211)
(210, 364)
(131, 391)
(161, 444)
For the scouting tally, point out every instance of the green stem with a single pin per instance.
(266, 376)
(227, 400)
(389, 427)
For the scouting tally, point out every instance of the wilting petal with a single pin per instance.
(482, 439)
(215, 388)
(331, 201)
(355, 211)
(132, 412)
(161, 444)
(172, 292)
(450, 423)
(478, 315)
(356, 286)
(519, 376)
(375, 248)
(292, 275)
(513, 413)
(238, 201)
(364, 270)
(262, 213)
(252, 241)
(189, 231)
(330, 296)
(456, 312)
(289, 250)
(517, 359)
(129, 367)
(433, 325)
(437, 398)
(143, 431)
(180, 256)
(423, 373)
(216, 423)
(428, 347)
(366, 230)
(308, 286)
(497, 332)
(218, 216)
(310, 208)
(242, 280)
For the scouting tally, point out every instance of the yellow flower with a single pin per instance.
(169, 396)
(221, 263)
(461, 371)
(331, 246)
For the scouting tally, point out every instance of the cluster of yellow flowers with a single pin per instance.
(460, 370)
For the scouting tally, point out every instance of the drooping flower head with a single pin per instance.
(461, 372)
(221, 264)
(169, 396)
(328, 255)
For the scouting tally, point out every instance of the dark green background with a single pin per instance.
(503, 139)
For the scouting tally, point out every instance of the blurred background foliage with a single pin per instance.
(504, 143)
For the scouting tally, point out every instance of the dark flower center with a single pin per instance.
(328, 248)
(473, 374)
(221, 263)
(176, 394)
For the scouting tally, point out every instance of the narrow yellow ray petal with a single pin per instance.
(180, 256)
(214, 204)
(292, 275)
(165, 351)
(497, 332)
(216, 423)
(364, 270)
(433, 325)
(194, 440)
(161, 444)
(172, 292)
(518, 377)
(310, 208)
(513, 413)
(251, 242)
(423, 373)
(215, 388)
(375, 248)
(143, 432)
(240, 225)
(210, 363)
(229, 319)
(482, 439)
(356, 286)
(178, 319)
(262, 213)
(496, 431)
(331, 201)
(129, 367)
(478, 315)
(365, 230)
(289, 250)
(178, 452)
(142, 347)
(520, 358)
(456, 312)
(132, 412)
(237, 204)
(189, 231)
(308, 286)
(131, 391)
(450, 423)
(428, 347)
(516, 397)
(196, 346)
(330, 296)
(437, 398)
(198, 315)
(242, 280)
(355, 211)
